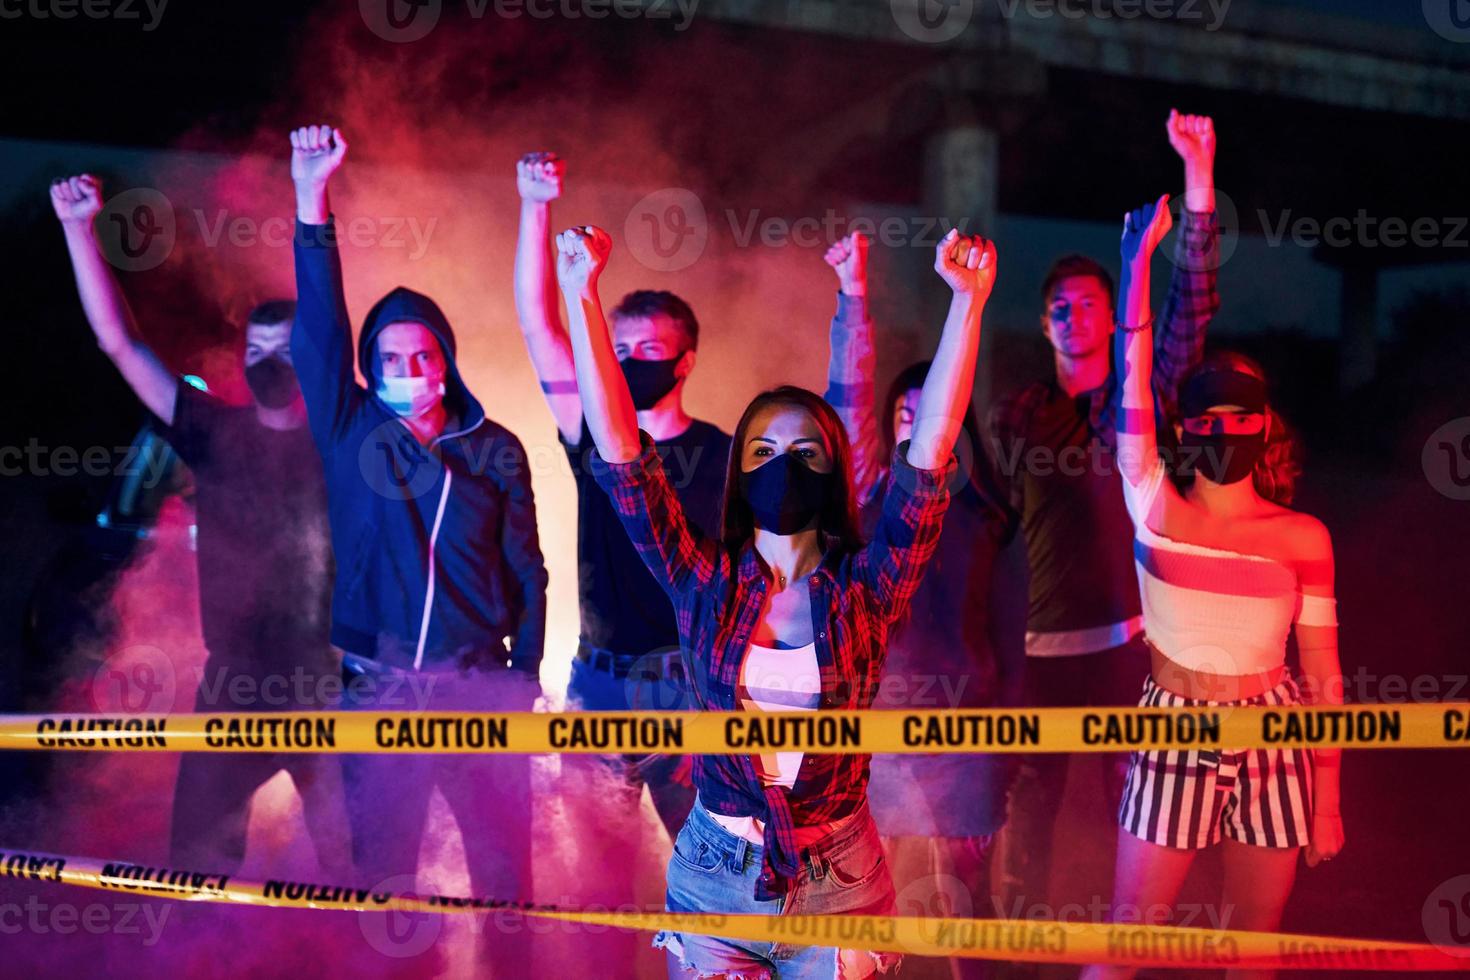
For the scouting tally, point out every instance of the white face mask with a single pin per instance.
(411, 397)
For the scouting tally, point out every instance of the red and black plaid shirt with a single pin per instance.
(718, 597)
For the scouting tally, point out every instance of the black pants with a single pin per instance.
(212, 795)
(489, 795)
(1110, 678)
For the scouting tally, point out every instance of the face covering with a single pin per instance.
(411, 397)
(649, 381)
(272, 381)
(1222, 458)
(1219, 457)
(785, 494)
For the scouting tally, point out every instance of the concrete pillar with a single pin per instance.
(961, 178)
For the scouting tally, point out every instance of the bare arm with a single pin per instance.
(538, 179)
(1193, 138)
(967, 265)
(606, 403)
(77, 201)
(1138, 457)
(1317, 647)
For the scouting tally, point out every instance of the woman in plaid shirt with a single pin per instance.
(788, 610)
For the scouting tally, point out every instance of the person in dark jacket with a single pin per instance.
(439, 569)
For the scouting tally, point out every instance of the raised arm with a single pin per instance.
(967, 265)
(917, 494)
(1193, 299)
(606, 403)
(538, 179)
(1138, 457)
(321, 343)
(852, 362)
(77, 201)
(675, 552)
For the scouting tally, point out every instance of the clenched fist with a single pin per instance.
(316, 153)
(848, 257)
(581, 255)
(1193, 138)
(76, 199)
(967, 264)
(538, 177)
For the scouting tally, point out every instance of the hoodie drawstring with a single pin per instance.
(418, 657)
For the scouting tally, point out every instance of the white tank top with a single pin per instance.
(775, 680)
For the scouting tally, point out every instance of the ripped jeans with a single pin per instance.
(712, 870)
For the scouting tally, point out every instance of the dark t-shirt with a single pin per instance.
(624, 609)
(1078, 533)
(264, 548)
(940, 655)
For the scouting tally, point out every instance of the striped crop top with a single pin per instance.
(1212, 609)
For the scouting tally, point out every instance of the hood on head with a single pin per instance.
(404, 304)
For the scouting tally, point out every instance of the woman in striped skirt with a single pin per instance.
(1225, 571)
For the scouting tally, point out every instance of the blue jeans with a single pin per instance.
(712, 870)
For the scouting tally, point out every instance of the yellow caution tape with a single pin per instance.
(1403, 726)
(1036, 941)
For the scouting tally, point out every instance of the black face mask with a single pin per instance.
(272, 381)
(1221, 458)
(649, 381)
(785, 494)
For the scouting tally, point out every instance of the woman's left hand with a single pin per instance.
(1327, 838)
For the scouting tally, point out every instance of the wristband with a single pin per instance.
(1145, 325)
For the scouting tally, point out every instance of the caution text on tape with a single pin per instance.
(1012, 730)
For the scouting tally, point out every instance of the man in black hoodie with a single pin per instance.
(439, 570)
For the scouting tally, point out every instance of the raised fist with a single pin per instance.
(538, 177)
(1193, 138)
(316, 153)
(76, 199)
(848, 257)
(581, 255)
(1144, 228)
(966, 263)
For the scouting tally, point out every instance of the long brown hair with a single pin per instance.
(1277, 471)
(838, 518)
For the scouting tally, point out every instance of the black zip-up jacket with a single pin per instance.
(436, 546)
